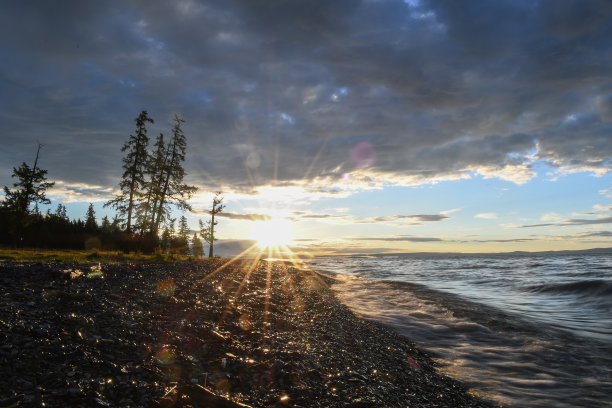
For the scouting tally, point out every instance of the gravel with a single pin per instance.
(200, 334)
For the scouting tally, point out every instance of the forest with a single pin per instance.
(151, 186)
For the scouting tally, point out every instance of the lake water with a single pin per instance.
(521, 330)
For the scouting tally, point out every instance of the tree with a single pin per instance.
(196, 246)
(207, 231)
(156, 171)
(91, 226)
(30, 188)
(182, 238)
(60, 212)
(170, 177)
(134, 165)
(105, 228)
(167, 237)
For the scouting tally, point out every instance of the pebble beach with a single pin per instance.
(201, 334)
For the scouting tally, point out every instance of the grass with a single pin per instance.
(85, 256)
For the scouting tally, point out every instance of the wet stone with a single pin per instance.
(160, 335)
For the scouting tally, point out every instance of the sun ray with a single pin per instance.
(268, 283)
(240, 288)
(219, 269)
(315, 158)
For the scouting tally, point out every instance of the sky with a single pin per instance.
(359, 126)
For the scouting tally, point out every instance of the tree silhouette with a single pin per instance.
(155, 171)
(134, 165)
(207, 231)
(30, 188)
(170, 175)
(196, 246)
(182, 238)
(60, 212)
(91, 226)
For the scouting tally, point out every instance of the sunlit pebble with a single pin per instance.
(245, 323)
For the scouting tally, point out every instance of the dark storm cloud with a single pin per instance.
(436, 89)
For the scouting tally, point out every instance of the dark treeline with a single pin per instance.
(151, 184)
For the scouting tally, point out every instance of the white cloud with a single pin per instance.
(486, 216)
(603, 208)
(551, 217)
(606, 192)
(518, 174)
(79, 192)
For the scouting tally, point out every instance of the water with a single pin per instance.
(520, 330)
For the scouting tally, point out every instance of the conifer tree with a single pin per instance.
(134, 165)
(182, 239)
(197, 249)
(155, 172)
(172, 189)
(91, 225)
(30, 188)
(60, 212)
(105, 227)
(207, 231)
(167, 239)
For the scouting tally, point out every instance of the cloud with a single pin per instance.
(551, 217)
(283, 92)
(235, 216)
(603, 208)
(572, 222)
(415, 218)
(249, 217)
(597, 234)
(401, 238)
(497, 241)
(606, 192)
(78, 192)
(486, 216)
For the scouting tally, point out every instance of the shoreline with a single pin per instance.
(201, 334)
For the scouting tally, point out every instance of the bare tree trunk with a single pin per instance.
(212, 234)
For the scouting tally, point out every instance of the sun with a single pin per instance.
(273, 233)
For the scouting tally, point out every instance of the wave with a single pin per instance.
(585, 288)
